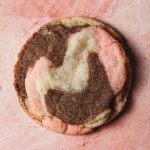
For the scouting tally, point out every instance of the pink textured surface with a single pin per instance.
(19, 19)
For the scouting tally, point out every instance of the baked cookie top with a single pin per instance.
(72, 69)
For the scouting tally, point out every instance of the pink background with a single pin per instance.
(20, 18)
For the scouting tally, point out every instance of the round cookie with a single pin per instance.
(72, 75)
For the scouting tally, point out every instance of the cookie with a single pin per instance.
(73, 75)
